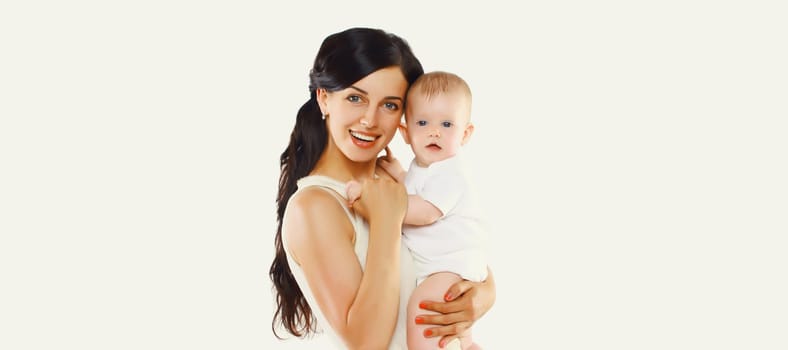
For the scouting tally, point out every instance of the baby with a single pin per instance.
(443, 227)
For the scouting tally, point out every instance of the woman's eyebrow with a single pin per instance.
(366, 93)
(359, 90)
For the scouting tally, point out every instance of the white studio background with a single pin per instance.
(632, 159)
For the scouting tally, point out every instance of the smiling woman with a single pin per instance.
(377, 99)
(340, 269)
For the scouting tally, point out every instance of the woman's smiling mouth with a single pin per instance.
(363, 140)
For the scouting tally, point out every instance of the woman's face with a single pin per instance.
(363, 118)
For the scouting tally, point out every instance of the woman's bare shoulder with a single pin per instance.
(315, 217)
(315, 200)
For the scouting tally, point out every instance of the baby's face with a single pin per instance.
(436, 127)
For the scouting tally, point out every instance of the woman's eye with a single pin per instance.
(354, 98)
(391, 106)
(421, 123)
(446, 124)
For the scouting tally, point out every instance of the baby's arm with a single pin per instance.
(392, 166)
(421, 212)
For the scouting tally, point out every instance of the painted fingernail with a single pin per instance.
(441, 343)
(419, 320)
(448, 296)
(422, 305)
(428, 333)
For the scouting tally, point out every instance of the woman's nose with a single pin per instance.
(369, 119)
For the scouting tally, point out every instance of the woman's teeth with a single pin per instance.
(362, 136)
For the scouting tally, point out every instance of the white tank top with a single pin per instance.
(407, 270)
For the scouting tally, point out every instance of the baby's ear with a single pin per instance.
(403, 129)
(467, 134)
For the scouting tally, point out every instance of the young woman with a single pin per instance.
(345, 270)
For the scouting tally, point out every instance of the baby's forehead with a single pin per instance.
(442, 103)
(421, 98)
(420, 91)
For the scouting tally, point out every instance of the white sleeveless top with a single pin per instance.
(407, 270)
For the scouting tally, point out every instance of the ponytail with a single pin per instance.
(307, 142)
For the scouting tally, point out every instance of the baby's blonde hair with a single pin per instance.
(439, 82)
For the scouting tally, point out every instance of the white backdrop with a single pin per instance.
(632, 159)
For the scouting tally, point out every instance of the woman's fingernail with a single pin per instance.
(428, 333)
(448, 296)
(419, 320)
(422, 305)
(441, 344)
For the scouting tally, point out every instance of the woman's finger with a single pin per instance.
(442, 319)
(454, 329)
(445, 307)
(457, 289)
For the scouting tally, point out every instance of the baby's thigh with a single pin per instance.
(433, 289)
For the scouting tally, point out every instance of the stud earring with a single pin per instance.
(324, 116)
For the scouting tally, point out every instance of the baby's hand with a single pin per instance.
(392, 166)
(353, 191)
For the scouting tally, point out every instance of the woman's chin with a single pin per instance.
(363, 153)
(363, 156)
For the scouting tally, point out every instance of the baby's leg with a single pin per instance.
(433, 288)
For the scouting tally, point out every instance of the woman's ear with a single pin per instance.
(467, 133)
(403, 129)
(322, 97)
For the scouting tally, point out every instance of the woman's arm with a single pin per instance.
(360, 307)
(465, 302)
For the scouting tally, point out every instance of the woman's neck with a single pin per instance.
(334, 164)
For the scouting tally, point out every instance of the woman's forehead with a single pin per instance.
(385, 81)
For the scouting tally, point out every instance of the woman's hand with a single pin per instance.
(465, 302)
(380, 199)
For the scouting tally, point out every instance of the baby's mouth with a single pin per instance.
(434, 147)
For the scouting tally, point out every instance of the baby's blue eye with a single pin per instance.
(421, 123)
(446, 124)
